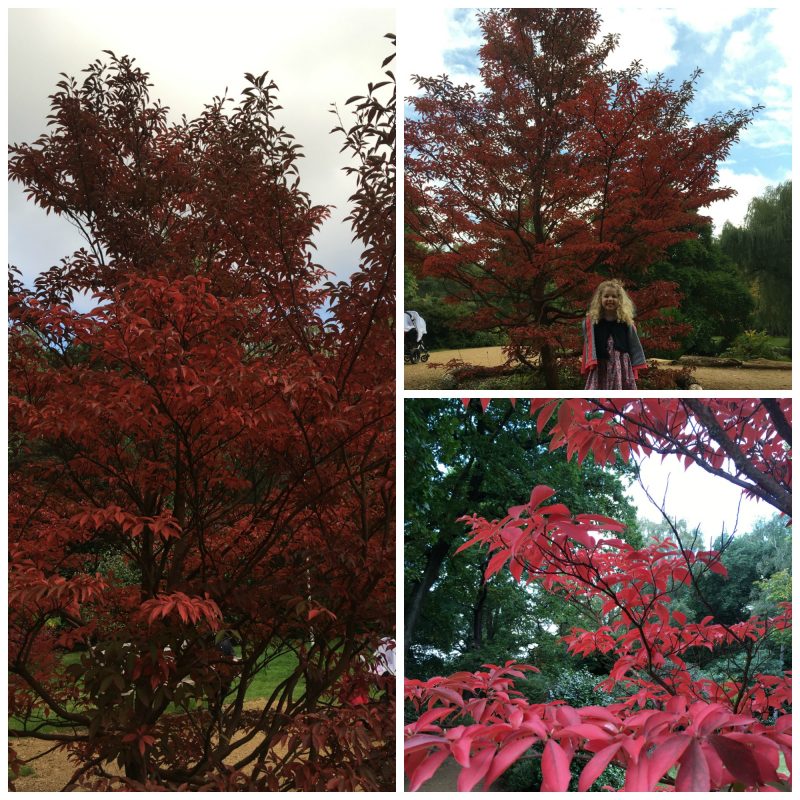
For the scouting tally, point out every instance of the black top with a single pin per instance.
(618, 331)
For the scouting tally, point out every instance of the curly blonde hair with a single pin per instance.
(625, 310)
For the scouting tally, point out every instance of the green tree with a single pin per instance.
(715, 300)
(762, 247)
(750, 559)
(460, 460)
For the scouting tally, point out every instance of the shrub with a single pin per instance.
(655, 378)
(751, 344)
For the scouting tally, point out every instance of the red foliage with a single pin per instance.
(717, 733)
(202, 455)
(560, 174)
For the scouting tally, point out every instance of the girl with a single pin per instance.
(612, 352)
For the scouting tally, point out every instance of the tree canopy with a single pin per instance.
(557, 175)
(763, 248)
(206, 456)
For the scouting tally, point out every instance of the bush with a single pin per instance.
(655, 378)
(525, 775)
(751, 344)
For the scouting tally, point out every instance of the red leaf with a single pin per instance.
(555, 768)
(427, 768)
(544, 414)
(664, 756)
(693, 775)
(496, 563)
(478, 766)
(540, 494)
(739, 760)
(593, 770)
(718, 567)
(506, 756)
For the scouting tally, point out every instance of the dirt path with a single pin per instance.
(52, 770)
(421, 376)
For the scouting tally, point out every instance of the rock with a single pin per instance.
(766, 363)
(707, 361)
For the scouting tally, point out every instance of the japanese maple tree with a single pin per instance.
(203, 458)
(556, 175)
(671, 728)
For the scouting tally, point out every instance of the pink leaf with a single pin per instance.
(739, 761)
(693, 775)
(555, 768)
(506, 756)
(427, 768)
(600, 760)
(664, 756)
(540, 494)
(478, 767)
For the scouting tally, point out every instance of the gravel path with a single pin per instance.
(422, 376)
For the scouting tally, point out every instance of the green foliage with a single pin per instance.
(459, 462)
(444, 319)
(716, 300)
(525, 775)
(762, 247)
(752, 344)
(120, 566)
(749, 559)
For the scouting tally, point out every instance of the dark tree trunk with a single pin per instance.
(419, 589)
(549, 367)
(479, 610)
(467, 485)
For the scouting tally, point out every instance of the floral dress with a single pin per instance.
(615, 372)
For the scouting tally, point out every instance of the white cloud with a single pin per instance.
(708, 18)
(428, 34)
(733, 210)
(739, 50)
(646, 34)
(781, 37)
(315, 56)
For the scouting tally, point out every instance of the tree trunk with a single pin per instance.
(134, 765)
(467, 485)
(478, 613)
(419, 589)
(549, 367)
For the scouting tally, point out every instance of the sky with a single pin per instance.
(748, 57)
(316, 56)
(692, 494)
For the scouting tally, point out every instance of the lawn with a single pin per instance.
(261, 687)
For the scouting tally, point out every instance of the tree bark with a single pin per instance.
(549, 367)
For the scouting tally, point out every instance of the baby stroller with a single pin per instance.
(414, 330)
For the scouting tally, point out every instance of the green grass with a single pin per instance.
(780, 341)
(261, 687)
(25, 771)
(265, 682)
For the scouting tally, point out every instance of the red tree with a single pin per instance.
(202, 457)
(719, 734)
(558, 175)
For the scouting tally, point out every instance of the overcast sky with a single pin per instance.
(748, 57)
(696, 496)
(316, 56)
